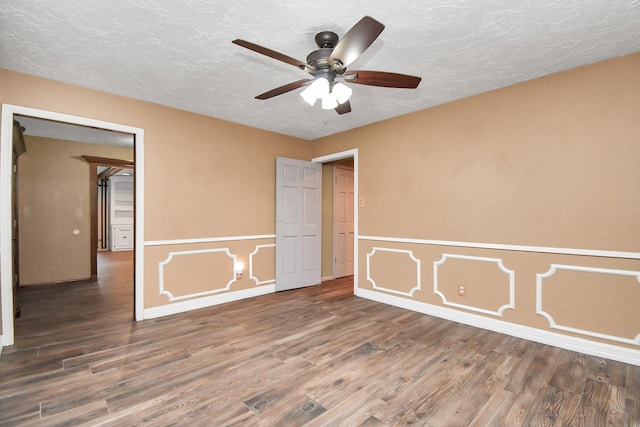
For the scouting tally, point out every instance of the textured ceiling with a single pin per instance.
(179, 52)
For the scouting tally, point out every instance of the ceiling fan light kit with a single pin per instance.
(329, 63)
(330, 96)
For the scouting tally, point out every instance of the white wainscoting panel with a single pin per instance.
(558, 338)
(507, 305)
(251, 275)
(409, 253)
(172, 255)
(552, 323)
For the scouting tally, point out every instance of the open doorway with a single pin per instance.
(337, 219)
(56, 196)
(7, 255)
(331, 268)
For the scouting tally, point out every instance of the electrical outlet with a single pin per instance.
(462, 291)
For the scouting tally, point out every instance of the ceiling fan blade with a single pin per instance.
(356, 41)
(270, 53)
(343, 108)
(382, 78)
(283, 89)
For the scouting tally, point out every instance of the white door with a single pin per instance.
(298, 223)
(342, 221)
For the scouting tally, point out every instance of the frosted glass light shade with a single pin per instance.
(309, 95)
(318, 89)
(329, 102)
(342, 92)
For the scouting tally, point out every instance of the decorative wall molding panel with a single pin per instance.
(207, 240)
(510, 304)
(251, 271)
(518, 248)
(195, 304)
(413, 287)
(581, 345)
(552, 323)
(163, 264)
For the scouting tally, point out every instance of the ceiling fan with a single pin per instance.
(328, 65)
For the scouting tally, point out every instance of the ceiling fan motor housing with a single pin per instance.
(319, 59)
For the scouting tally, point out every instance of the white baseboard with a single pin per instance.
(581, 345)
(181, 307)
(326, 278)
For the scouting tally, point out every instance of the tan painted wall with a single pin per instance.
(203, 177)
(553, 162)
(550, 162)
(53, 200)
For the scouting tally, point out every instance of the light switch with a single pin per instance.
(361, 202)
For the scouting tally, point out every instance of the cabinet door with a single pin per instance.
(121, 238)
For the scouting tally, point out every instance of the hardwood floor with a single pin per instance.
(316, 356)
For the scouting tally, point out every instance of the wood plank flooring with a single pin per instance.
(315, 357)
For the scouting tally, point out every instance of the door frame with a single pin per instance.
(6, 253)
(347, 154)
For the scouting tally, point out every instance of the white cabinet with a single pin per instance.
(121, 212)
(121, 237)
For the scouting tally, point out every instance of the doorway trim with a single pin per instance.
(347, 154)
(6, 255)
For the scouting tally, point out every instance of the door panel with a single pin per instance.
(289, 253)
(309, 253)
(298, 226)
(290, 201)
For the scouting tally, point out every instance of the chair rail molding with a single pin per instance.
(505, 247)
(207, 240)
